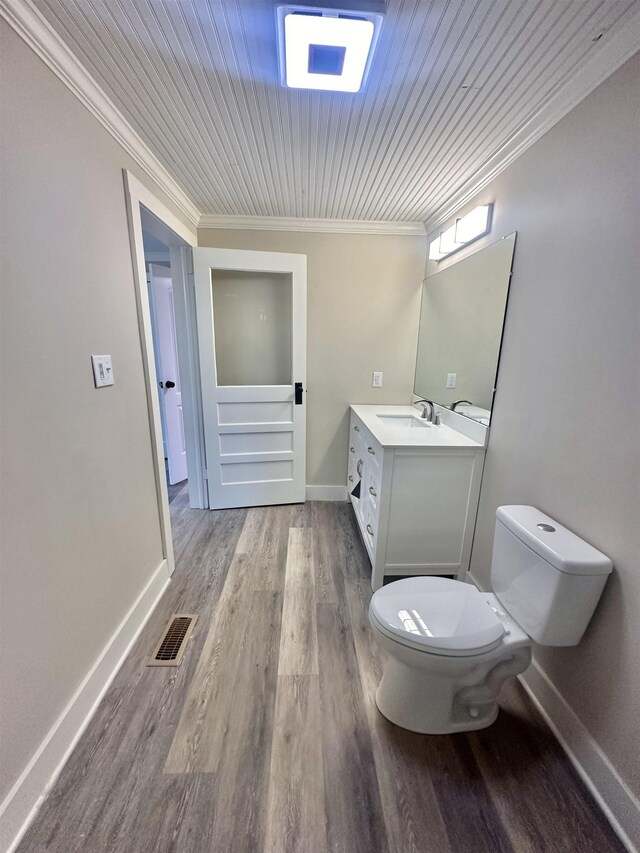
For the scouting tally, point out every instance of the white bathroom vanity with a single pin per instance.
(414, 488)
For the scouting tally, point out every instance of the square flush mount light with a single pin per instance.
(325, 48)
(465, 230)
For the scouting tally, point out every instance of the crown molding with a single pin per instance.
(620, 46)
(36, 31)
(321, 226)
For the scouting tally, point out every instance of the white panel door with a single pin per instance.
(168, 375)
(251, 313)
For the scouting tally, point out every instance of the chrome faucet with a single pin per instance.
(459, 403)
(431, 407)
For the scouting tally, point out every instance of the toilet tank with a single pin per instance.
(546, 577)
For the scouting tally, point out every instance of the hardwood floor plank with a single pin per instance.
(534, 788)
(198, 742)
(411, 811)
(468, 812)
(296, 810)
(166, 810)
(195, 833)
(177, 491)
(298, 637)
(265, 539)
(239, 818)
(328, 553)
(353, 807)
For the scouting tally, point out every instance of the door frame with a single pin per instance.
(137, 195)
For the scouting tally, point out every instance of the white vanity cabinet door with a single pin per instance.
(428, 511)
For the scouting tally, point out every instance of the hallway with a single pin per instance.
(269, 740)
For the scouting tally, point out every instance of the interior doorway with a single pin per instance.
(164, 330)
(162, 247)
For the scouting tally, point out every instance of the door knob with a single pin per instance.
(168, 384)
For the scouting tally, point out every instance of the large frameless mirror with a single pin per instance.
(461, 322)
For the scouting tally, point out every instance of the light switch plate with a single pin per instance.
(102, 370)
(451, 380)
(377, 379)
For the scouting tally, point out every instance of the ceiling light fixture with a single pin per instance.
(465, 230)
(325, 48)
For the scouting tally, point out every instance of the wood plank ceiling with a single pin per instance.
(452, 82)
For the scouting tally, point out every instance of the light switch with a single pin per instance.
(102, 370)
(451, 380)
(377, 379)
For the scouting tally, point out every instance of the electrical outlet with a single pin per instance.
(377, 379)
(451, 380)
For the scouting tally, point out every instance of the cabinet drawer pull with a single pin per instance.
(356, 427)
(371, 451)
(352, 450)
(350, 478)
(359, 468)
(373, 492)
(369, 530)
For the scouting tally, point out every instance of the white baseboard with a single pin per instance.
(326, 493)
(617, 801)
(25, 798)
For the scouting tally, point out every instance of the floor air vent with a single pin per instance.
(174, 640)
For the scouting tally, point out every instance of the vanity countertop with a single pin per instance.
(400, 436)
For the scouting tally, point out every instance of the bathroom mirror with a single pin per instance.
(461, 321)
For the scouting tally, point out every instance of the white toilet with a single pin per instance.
(450, 647)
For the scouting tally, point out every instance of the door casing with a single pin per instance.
(137, 197)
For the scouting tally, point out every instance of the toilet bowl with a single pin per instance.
(449, 654)
(450, 647)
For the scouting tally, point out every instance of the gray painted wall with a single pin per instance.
(565, 432)
(363, 302)
(80, 529)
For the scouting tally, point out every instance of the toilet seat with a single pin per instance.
(437, 615)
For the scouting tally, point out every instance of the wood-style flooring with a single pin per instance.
(176, 489)
(267, 737)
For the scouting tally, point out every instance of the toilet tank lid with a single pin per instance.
(560, 547)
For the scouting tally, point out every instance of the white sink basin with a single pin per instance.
(403, 422)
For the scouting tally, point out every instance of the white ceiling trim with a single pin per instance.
(36, 31)
(622, 45)
(322, 226)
